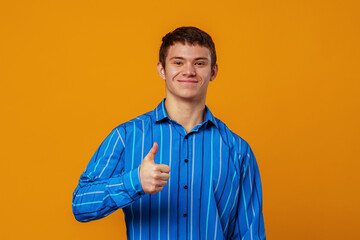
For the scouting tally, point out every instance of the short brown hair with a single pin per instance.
(190, 35)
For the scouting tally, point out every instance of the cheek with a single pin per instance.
(205, 76)
(171, 73)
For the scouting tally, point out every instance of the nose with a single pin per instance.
(189, 70)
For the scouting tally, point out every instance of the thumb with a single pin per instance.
(152, 152)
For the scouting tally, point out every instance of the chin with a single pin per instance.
(191, 97)
(188, 95)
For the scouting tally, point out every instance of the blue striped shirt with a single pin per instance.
(214, 190)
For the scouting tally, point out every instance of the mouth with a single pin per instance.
(187, 81)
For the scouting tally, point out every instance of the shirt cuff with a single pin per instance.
(132, 184)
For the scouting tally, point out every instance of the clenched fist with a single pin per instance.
(153, 176)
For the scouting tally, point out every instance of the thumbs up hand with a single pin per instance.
(153, 176)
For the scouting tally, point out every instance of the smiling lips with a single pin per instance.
(187, 81)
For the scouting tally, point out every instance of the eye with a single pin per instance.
(177, 63)
(200, 63)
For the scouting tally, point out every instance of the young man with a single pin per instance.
(177, 172)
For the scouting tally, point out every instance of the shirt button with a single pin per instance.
(185, 215)
(139, 193)
(186, 137)
(186, 187)
(186, 160)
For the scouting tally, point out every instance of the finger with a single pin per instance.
(158, 189)
(163, 168)
(161, 183)
(153, 151)
(163, 176)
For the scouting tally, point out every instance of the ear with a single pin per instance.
(214, 72)
(161, 70)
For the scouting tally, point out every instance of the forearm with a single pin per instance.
(96, 199)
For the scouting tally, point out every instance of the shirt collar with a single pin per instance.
(160, 111)
(161, 114)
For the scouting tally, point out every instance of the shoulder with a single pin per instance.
(237, 144)
(240, 150)
(145, 119)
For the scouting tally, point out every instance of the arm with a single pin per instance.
(249, 223)
(104, 187)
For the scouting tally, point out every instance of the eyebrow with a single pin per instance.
(181, 58)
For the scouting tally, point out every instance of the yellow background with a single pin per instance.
(288, 83)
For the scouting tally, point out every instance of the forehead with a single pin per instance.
(188, 51)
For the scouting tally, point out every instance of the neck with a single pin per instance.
(187, 113)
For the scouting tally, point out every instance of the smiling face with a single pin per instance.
(188, 72)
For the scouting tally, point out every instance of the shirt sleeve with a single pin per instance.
(104, 186)
(249, 223)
